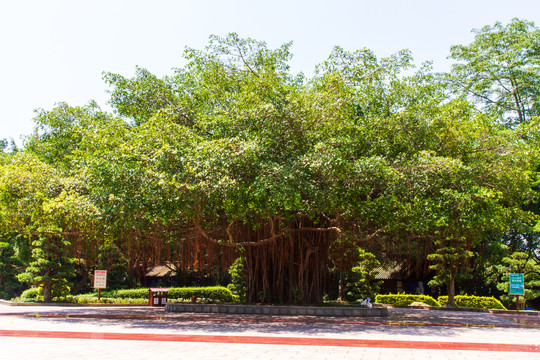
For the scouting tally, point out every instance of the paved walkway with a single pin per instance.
(142, 332)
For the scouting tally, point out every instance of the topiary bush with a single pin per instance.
(477, 302)
(361, 279)
(238, 277)
(405, 299)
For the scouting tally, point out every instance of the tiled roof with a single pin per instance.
(392, 271)
(160, 271)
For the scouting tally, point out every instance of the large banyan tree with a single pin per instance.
(234, 156)
(263, 162)
(275, 168)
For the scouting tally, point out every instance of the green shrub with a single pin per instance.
(36, 293)
(31, 294)
(405, 299)
(58, 289)
(477, 302)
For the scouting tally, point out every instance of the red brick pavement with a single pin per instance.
(271, 340)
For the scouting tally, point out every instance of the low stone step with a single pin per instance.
(277, 310)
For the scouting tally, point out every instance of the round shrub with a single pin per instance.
(31, 294)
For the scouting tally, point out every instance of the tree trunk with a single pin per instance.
(517, 100)
(301, 262)
(82, 283)
(47, 292)
(341, 288)
(451, 291)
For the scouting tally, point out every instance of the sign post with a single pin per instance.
(100, 281)
(517, 286)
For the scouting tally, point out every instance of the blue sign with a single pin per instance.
(517, 284)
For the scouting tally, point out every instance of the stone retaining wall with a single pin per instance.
(276, 310)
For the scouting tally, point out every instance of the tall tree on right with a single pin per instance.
(500, 71)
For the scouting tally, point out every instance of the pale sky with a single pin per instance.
(56, 51)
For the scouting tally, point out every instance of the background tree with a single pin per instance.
(10, 266)
(7, 146)
(500, 70)
(51, 267)
(141, 97)
(58, 132)
(37, 201)
(111, 259)
(517, 263)
(449, 161)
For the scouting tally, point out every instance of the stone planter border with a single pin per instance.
(276, 310)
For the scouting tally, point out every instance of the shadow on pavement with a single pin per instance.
(414, 322)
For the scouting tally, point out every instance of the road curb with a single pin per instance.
(464, 309)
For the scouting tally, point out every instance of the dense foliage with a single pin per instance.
(234, 155)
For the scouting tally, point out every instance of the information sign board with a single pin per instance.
(517, 284)
(100, 279)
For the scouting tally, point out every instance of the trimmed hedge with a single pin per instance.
(218, 293)
(137, 296)
(471, 301)
(215, 293)
(141, 293)
(92, 299)
(405, 299)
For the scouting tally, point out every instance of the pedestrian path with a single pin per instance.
(412, 334)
